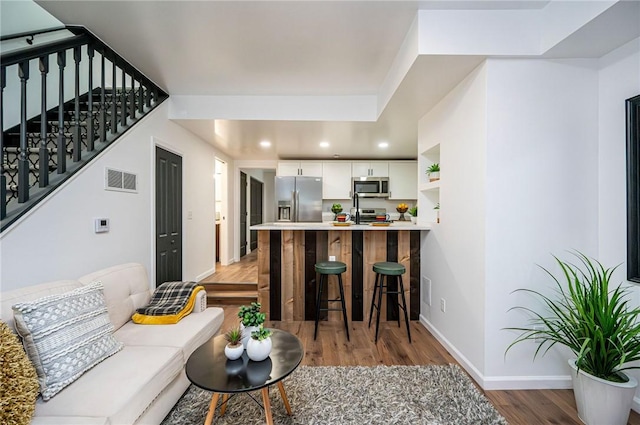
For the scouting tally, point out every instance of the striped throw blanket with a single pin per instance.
(169, 298)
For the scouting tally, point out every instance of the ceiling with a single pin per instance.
(286, 48)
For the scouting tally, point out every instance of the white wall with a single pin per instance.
(56, 240)
(619, 79)
(541, 195)
(452, 254)
(24, 16)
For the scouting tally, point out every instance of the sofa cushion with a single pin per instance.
(120, 388)
(188, 334)
(30, 293)
(126, 288)
(65, 335)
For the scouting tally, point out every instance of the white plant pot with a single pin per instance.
(414, 220)
(233, 353)
(259, 350)
(434, 176)
(602, 402)
(246, 334)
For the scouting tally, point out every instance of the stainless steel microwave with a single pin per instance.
(371, 187)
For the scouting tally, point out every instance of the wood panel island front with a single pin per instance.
(288, 252)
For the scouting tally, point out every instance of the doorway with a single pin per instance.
(243, 214)
(256, 202)
(168, 216)
(222, 224)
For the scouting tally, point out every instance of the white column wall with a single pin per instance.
(56, 240)
(453, 252)
(619, 80)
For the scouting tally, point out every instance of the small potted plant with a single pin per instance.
(250, 319)
(434, 172)
(602, 329)
(336, 209)
(234, 349)
(413, 212)
(259, 346)
(437, 208)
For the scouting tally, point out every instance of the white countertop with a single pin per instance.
(396, 225)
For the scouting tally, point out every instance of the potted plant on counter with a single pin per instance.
(250, 320)
(234, 349)
(259, 346)
(434, 172)
(336, 209)
(413, 212)
(601, 328)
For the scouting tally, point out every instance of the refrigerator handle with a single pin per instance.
(294, 206)
(297, 203)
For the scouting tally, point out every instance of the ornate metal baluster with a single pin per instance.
(103, 103)
(23, 161)
(140, 97)
(148, 96)
(90, 130)
(3, 178)
(77, 144)
(43, 159)
(132, 98)
(123, 97)
(114, 110)
(62, 143)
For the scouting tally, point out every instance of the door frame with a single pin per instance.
(158, 143)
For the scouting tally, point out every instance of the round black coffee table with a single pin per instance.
(209, 369)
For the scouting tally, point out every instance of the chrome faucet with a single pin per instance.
(356, 205)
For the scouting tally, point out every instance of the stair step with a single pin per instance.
(232, 286)
(231, 297)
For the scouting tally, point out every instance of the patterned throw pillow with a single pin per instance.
(65, 335)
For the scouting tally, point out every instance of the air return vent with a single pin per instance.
(120, 181)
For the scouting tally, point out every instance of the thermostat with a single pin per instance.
(101, 225)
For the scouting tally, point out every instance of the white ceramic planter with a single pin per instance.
(259, 350)
(246, 334)
(602, 402)
(434, 176)
(233, 353)
(414, 220)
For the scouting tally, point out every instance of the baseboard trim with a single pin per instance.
(206, 274)
(498, 382)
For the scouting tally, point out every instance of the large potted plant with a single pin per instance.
(602, 330)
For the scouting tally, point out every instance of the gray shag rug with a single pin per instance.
(433, 395)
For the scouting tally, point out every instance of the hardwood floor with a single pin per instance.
(539, 407)
(244, 271)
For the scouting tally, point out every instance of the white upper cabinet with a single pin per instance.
(300, 168)
(403, 180)
(336, 180)
(370, 169)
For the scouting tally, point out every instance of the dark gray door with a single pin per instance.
(255, 188)
(243, 214)
(168, 216)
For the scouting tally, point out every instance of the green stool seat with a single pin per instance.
(331, 267)
(325, 269)
(394, 290)
(389, 269)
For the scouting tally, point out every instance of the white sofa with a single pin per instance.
(141, 382)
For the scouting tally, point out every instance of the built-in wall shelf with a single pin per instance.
(428, 186)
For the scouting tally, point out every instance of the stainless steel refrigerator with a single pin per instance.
(298, 199)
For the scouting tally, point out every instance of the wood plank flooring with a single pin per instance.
(539, 407)
(244, 271)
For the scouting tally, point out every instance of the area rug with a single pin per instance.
(430, 395)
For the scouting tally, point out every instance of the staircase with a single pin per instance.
(49, 144)
(231, 293)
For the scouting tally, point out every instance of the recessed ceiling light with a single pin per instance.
(383, 145)
(265, 143)
(324, 144)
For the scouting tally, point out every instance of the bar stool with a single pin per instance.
(382, 270)
(325, 269)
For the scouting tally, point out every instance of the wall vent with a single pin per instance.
(120, 181)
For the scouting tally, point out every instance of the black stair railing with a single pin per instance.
(43, 143)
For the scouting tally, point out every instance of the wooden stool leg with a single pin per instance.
(344, 306)
(267, 405)
(223, 408)
(212, 408)
(373, 298)
(318, 301)
(283, 394)
(404, 304)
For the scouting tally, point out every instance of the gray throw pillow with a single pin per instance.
(65, 335)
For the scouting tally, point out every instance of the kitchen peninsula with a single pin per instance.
(288, 252)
